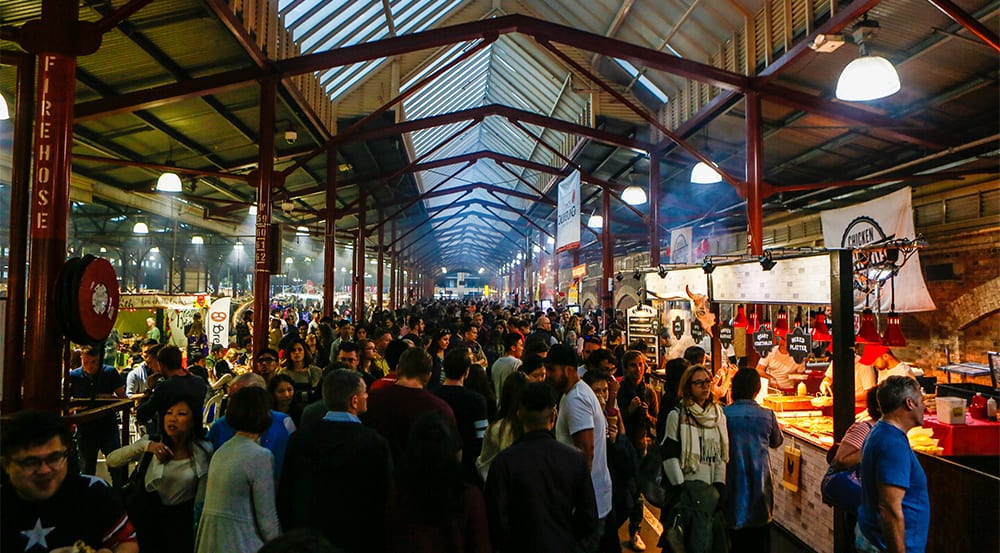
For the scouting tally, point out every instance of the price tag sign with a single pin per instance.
(677, 328)
(799, 344)
(726, 335)
(697, 332)
(763, 340)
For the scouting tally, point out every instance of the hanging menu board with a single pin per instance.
(796, 280)
(642, 324)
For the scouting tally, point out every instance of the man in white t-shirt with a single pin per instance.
(778, 366)
(507, 365)
(864, 380)
(581, 423)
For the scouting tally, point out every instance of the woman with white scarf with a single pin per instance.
(695, 450)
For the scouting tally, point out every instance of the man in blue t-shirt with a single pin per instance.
(895, 509)
(90, 381)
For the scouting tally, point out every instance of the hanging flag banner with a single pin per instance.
(218, 322)
(887, 218)
(568, 226)
(680, 245)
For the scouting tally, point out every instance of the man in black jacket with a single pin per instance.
(539, 494)
(338, 457)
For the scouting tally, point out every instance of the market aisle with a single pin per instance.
(781, 542)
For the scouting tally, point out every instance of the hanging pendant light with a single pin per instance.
(867, 331)
(740, 321)
(634, 195)
(781, 324)
(169, 181)
(4, 110)
(893, 335)
(704, 173)
(821, 332)
(596, 221)
(868, 77)
(140, 228)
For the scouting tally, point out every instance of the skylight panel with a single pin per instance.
(643, 80)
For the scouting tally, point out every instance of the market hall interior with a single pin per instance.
(616, 159)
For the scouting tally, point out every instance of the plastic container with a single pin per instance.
(800, 390)
(991, 409)
(951, 410)
(977, 407)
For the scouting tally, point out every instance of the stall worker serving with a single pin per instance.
(778, 366)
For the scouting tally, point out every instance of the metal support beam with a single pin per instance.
(330, 234)
(263, 244)
(381, 262)
(359, 254)
(17, 258)
(960, 16)
(654, 210)
(755, 174)
(607, 255)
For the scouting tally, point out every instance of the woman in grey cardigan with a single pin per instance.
(239, 513)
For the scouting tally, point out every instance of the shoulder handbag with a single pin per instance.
(651, 477)
(137, 499)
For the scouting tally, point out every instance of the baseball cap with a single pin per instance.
(872, 352)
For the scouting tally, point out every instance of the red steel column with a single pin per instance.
(379, 272)
(263, 251)
(755, 174)
(330, 235)
(607, 254)
(17, 260)
(654, 210)
(359, 257)
(555, 276)
(394, 259)
(50, 208)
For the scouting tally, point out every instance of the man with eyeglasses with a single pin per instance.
(47, 509)
(267, 363)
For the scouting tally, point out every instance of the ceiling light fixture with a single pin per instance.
(596, 221)
(704, 173)
(634, 195)
(707, 266)
(253, 210)
(169, 181)
(444, 270)
(4, 110)
(662, 271)
(868, 77)
(197, 240)
(140, 228)
(637, 275)
(619, 276)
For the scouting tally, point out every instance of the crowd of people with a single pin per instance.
(445, 427)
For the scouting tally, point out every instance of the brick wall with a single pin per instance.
(803, 513)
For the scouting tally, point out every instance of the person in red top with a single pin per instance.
(44, 506)
(392, 353)
(393, 409)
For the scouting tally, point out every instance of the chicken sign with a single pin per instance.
(701, 312)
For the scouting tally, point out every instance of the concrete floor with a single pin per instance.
(781, 541)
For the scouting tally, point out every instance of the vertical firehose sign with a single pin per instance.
(53, 112)
(568, 227)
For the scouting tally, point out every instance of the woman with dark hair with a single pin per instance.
(304, 374)
(172, 476)
(695, 453)
(240, 513)
(506, 429)
(438, 346)
(283, 398)
(433, 510)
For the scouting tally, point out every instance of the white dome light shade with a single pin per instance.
(253, 210)
(595, 221)
(867, 78)
(169, 182)
(4, 110)
(550, 240)
(238, 245)
(197, 240)
(140, 228)
(301, 231)
(705, 174)
(289, 260)
(634, 195)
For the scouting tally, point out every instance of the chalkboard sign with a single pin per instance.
(726, 335)
(763, 340)
(799, 344)
(677, 328)
(697, 332)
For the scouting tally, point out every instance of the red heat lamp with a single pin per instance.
(820, 332)
(740, 321)
(752, 323)
(781, 324)
(893, 332)
(867, 331)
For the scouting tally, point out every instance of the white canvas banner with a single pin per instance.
(680, 245)
(568, 210)
(217, 323)
(886, 218)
